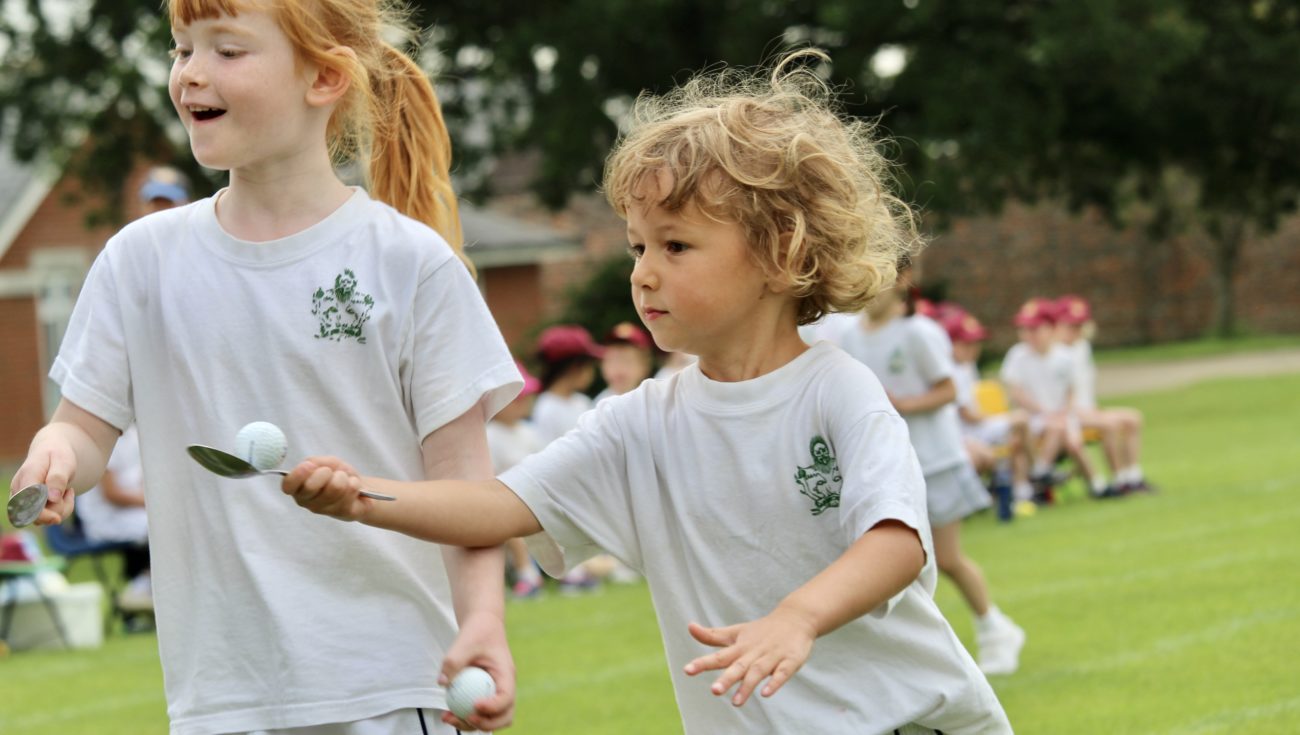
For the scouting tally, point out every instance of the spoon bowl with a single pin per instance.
(26, 505)
(226, 464)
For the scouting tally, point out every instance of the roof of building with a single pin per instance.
(492, 239)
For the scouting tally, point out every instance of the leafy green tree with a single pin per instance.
(1186, 106)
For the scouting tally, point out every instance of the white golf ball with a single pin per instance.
(262, 444)
(469, 686)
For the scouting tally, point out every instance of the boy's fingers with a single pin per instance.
(753, 677)
(780, 676)
(712, 636)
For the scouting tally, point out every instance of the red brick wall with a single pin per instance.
(20, 377)
(514, 296)
(1141, 291)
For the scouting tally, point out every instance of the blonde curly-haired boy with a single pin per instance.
(768, 492)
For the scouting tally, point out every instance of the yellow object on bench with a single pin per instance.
(991, 397)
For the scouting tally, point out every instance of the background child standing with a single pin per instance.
(511, 437)
(912, 357)
(751, 208)
(291, 298)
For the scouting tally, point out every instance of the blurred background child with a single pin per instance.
(628, 359)
(912, 357)
(511, 437)
(991, 441)
(1040, 379)
(1120, 428)
(568, 356)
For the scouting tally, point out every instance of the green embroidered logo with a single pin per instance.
(821, 480)
(342, 310)
(896, 363)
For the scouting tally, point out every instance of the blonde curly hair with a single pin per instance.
(772, 153)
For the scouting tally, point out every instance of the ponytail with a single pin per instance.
(410, 149)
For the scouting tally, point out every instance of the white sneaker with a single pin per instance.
(138, 595)
(999, 647)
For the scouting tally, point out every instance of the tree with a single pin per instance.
(1098, 102)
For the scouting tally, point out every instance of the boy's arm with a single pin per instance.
(68, 455)
(940, 394)
(470, 513)
(876, 567)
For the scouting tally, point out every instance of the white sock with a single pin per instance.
(529, 574)
(1042, 468)
(1135, 473)
(990, 619)
(1023, 491)
(1098, 485)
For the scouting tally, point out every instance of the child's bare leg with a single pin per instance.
(959, 568)
(981, 455)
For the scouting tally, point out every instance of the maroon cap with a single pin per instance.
(963, 327)
(630, 334)
(925, 307)
(565, 341)
(1073, 310)
(531, 383)
(1035, 313)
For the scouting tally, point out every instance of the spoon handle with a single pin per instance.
(367, 493)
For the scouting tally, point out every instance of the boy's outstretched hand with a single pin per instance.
(776, 646)
(328, 486)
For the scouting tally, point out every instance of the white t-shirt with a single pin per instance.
(510, 443)
(104, 521)
(554, 415)
(1085, 373)
(965, 376)
(909, 355)
(728, 497)
(831, 327)
(1047, 378)
(358, 337)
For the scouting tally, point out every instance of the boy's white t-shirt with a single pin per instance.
(728, 497)
(1047, 377)
(358, 337)
(104, 521)
(553, 415)
(909, 355)
(1085, 373)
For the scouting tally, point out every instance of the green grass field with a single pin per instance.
(1172, 613)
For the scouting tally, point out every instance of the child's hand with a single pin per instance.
(328, 486)
(482, 643)
(52, 461)
(775, 645)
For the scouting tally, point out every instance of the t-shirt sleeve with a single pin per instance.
(578, 489)
(92, 369)
(457, 353)
(882, 482)
(1012, 372)
(932, 351)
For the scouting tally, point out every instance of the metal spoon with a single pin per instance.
(229, 465)
(26, 504)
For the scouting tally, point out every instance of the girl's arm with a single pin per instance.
(459, 450)
(940, 394)
(116, 494)
(68, 455)
(879, 565)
